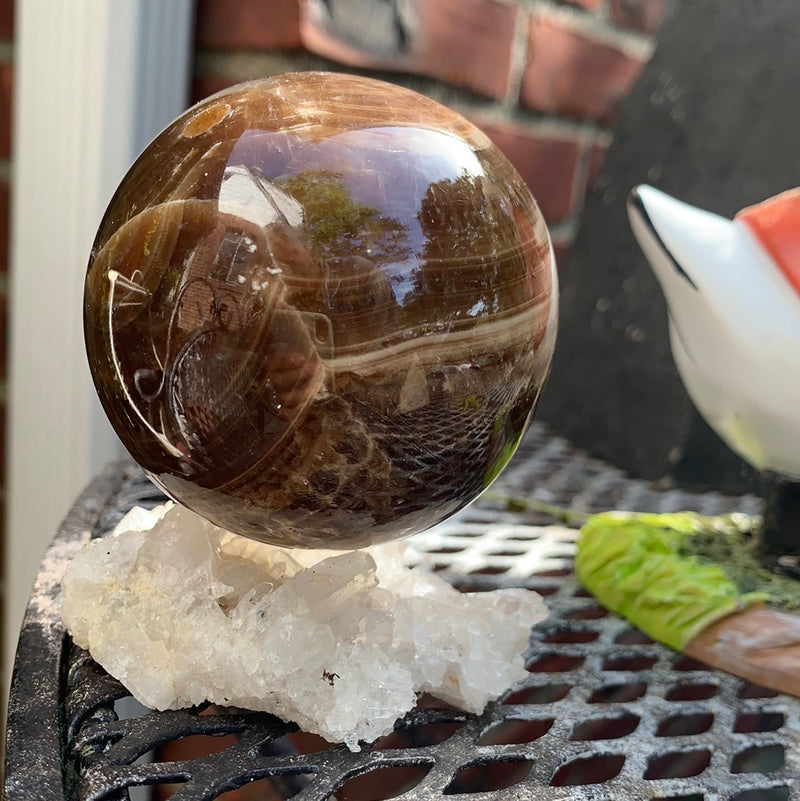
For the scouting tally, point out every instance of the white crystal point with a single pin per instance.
(183, 612)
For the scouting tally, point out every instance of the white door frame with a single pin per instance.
(94, 81)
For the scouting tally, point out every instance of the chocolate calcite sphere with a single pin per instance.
(320, 309)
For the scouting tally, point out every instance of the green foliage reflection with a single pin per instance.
(338, 226)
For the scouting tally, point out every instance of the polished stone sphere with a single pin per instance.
(320, 309)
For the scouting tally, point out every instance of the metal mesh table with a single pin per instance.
(604, 713)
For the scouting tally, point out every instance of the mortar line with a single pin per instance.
(519, 58)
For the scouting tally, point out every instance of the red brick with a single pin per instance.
(6, 19)
(247, 24)
(589, 5)
(561, 250)
(6, 82)
(205, 85)
(571, 74)
(546, 164)
(596, 158)
(466, 43)
(641, 15)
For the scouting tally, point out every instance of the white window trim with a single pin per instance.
(94, 81)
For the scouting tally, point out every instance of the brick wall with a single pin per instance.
(542, 78)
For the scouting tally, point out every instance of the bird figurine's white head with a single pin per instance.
(733, 292)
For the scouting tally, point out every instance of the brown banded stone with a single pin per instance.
(320, 309)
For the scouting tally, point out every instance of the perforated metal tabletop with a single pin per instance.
(603, 714)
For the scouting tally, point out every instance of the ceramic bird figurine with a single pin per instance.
(733, 292)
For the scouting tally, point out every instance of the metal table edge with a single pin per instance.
(34, 763)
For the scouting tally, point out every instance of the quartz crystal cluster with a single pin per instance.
(183, 612)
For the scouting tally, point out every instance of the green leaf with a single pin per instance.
(637, 566)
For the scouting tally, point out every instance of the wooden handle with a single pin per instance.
(758, 644)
